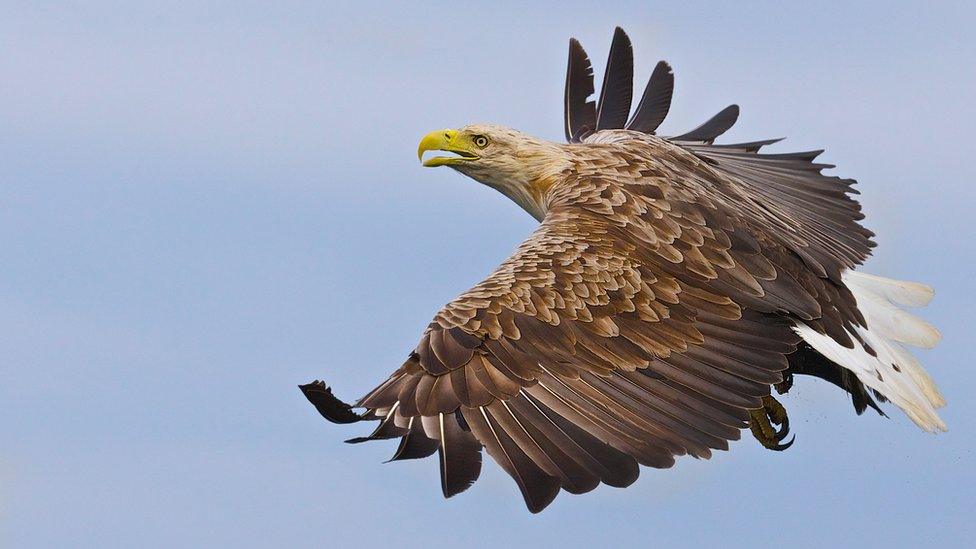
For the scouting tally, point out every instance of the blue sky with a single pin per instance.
(202, 206)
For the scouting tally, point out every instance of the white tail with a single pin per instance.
(890, 369)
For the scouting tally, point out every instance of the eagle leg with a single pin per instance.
(784, 386)
(761, 423)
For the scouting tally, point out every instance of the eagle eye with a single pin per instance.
(481, 141)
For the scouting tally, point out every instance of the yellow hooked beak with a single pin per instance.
(450, 141)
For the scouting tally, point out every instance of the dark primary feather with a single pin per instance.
(606, 463)
(386, 429)
(825, 213)
(656, 101)
(573, 476)
(460, 455)
(751, 146)
(580, 112)
(538, 488)
(415, 444)
(331, 408)
(713, 127)
(618, 84)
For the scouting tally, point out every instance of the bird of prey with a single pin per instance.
(670, 284)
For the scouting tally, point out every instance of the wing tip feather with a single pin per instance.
(328, 405)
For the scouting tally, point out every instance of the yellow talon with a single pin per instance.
(761, 423)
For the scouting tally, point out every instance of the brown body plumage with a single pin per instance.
(652, 309)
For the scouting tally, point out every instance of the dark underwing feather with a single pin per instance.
(591, 409)
(386, 429)
(578, 469)
(825, 213)
(751, 146)
(460, 456)
(720, 411)
(538, 488)
(713, 127)
(656, 101)
(415, 444)
(611, 466)
(573, 476)
(681, 429)
(618, 84)
(331, 408)
(580, 112)
(638, 425)
(705, 387)
(666, 395)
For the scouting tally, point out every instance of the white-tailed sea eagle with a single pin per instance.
(671, 282)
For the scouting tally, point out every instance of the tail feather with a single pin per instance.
(901, 292)
(886, 319)
(882, 362)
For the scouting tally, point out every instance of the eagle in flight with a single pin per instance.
(670, 284)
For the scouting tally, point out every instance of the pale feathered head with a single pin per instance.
(518, 165)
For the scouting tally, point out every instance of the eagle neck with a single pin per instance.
(527, 177)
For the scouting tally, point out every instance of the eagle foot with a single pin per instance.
(762, 421)
(784, 386)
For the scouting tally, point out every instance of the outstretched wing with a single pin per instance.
(611, 338)
(830, 237)
(820, 205)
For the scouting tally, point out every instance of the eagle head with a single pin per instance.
(519, 166)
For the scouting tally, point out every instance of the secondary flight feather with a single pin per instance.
(672, 283)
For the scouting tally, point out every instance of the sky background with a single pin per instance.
(202, 206)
